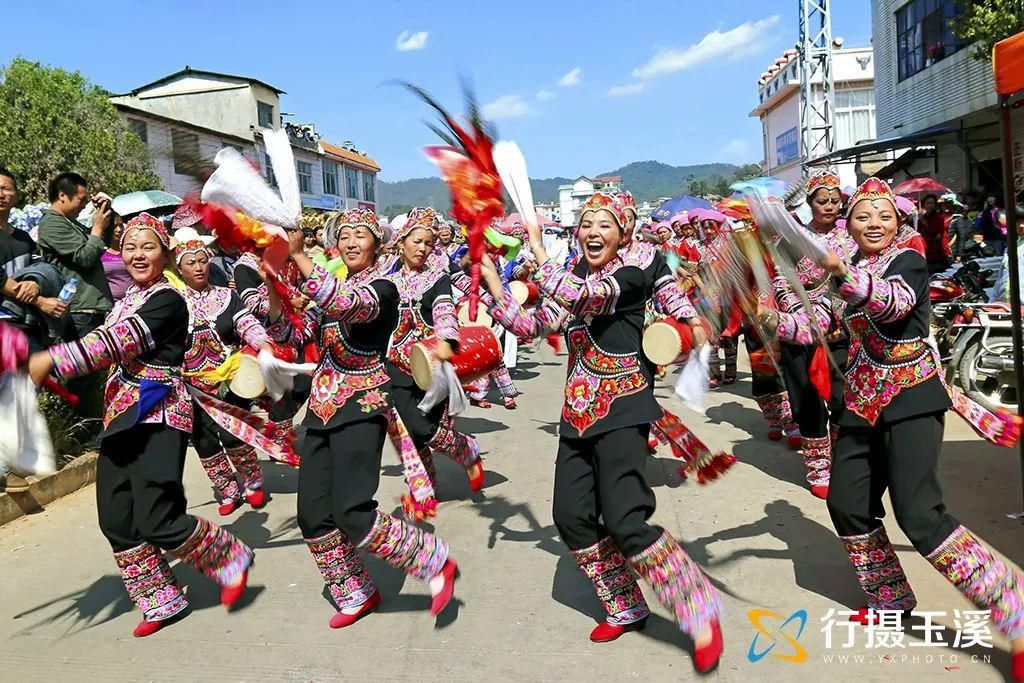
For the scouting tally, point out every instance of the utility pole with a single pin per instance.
(817, 107)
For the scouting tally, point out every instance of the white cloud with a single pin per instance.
(411, 41)
(626, 90)
(747, 39)
(572, 78)
(506, 107)
(544, 95)
(736, 150)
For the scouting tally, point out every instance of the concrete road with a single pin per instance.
(523, 610)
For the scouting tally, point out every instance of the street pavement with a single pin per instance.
(522, 609)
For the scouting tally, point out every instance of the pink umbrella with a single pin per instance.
(919, 185)
(708, 215)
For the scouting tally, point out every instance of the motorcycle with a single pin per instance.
(965, 284)
(980, 353)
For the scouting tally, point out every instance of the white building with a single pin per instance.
(187, 116)
(552, 211)
(778, 109)
(572, 196)
(937, 106)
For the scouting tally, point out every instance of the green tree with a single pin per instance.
(695, 186)
(54, 121)
(986, 22)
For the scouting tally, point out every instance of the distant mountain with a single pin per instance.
(647, 180)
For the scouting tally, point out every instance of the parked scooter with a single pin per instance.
(980, 353)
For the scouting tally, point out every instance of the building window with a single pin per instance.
(270, 170)
(351, 183)
(185, 149)
(305, 171)
(368, 187)
(924, 35)
(855, 116)
(265, 113)
(140, 129)
(330, 178)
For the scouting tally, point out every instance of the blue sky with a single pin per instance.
(584, 87)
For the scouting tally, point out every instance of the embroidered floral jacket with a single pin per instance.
(247, 282)
(352, 322)
(610, 382)
(218, 323)
(143, 338)
(893, 371)
(425, 309)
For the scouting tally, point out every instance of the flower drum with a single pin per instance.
(478, 354)
(525, 292)
(668, 341)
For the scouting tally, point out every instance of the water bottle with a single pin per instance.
(67, 292)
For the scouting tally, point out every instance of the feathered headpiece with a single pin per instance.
(600, 201)
(144, 221)
(188, 241)
(823, 180)
(872, 188)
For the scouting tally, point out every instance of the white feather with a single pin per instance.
(237, 184)
(511, 165)
(279, 149)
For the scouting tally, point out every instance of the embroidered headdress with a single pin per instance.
(420, 217)
(823, 180)
(872, 188)
(144, 221)
(608, 203)
(188, 241)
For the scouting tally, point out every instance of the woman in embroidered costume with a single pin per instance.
(426, 309)
(346, 423)
(139, 494)
(891, 430)
(606, 417)
(218, 324)
(813, 413)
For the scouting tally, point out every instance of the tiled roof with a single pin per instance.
(349, 155)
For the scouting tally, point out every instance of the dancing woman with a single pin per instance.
(219, 323)
(601, 499)
(812, 413)
(139, 494)
(346, 425)
(891, 431)
(426, 309)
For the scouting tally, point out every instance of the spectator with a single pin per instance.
(932, 226)
(77, 251)
(312, 245)
(960, 228)
(1001, 290)
(988, 225)
(113, 264)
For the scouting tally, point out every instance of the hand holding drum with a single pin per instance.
(669, 342)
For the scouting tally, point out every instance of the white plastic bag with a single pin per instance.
(445, 384)
(25, 447)
(694, 379)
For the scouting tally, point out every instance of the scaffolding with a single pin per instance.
(817, 106)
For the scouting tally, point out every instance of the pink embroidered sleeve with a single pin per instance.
(250, 330)
(671, 300)
(103, 347)
(784, 294)
(796, 326)
(542, 320)
(446, 324)
(358, 304)
(884, 299)
(576, 295)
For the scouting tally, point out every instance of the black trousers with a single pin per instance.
(139, 494)
(210, 438)
(601, 490)
(809, 411)
(902, 457)
(422, 427)
(339, 472)
(761, 384)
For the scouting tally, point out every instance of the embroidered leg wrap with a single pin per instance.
(679, 583)
(214, 552)
(456, 445)
(983, 579)
(504, 382)
(247, 463)
(817, 459)
(150, 582)
(218, 469)
(731, 352)
(775, 408)
(406, 547)
(614, 583)
(879, 571)
(427, 458)
(419, 480)
(343, 570)
(477, 389)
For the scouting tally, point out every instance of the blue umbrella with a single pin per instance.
(678, 204)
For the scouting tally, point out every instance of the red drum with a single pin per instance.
(525, 292)
(668, 341)
(479, 353)
(483, 318)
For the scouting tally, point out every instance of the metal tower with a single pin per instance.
(817, 106)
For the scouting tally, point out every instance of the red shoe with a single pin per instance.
(510, 403)
(820, 491)
(449, 572)
(229, 595)
(794, 441)
(147, 628)
(480, 403)
(227, 508)
(1018, 666)
(714, 383)
(606, 633)
(775, 434)
(256, 498)
(476, 475)
(341, 620)
(705, 659)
